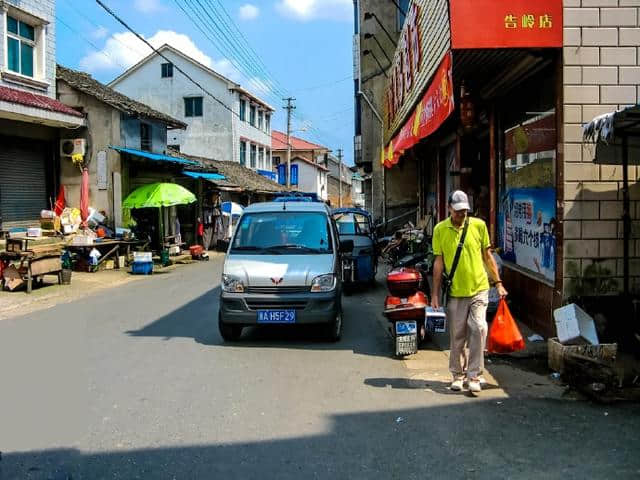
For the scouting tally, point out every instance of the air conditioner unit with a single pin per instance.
(72, 146)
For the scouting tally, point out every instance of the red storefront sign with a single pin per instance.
(505, 23)
(433, 109)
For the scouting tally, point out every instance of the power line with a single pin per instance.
(140, 37)
(323, 85)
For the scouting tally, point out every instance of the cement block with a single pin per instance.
(618, 17)
(581, 210)
(614, 172)
(573, 191)
(581, 55)
(581, 17)
(607, 268)
(600, 76)
(599, 190)
(581, 248)
(599, 3)
(598, 37)
(630, 36)
(618, 56)
(621, 94)
(571, 36)
(589, 112)
(630, 75)
(581, 172)
(588, 94)
(610, 248)
(572, 229)
(599, 229)
(572, 132)
(572, 114)
(572, 152)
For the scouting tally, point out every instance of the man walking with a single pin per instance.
(463, 250)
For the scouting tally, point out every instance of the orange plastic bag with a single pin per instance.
(504, 334)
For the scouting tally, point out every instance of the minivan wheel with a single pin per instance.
(230, 333)
(334, 329)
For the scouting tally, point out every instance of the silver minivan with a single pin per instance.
(282, 267)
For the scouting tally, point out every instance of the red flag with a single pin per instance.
(60, 202)
(84, 197)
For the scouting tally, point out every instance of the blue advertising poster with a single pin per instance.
(527, 229)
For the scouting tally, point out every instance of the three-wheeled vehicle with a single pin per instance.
(361, 264)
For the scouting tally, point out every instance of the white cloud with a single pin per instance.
(99, 33)
(122, 50)
(249, 12)
(148, 6)
(316, 9)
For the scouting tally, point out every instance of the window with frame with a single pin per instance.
(145, 137)
(193, 106)
(261, 158)
(267, 159)
(252, 115)
(267, 123)
(253, 156)
(243, 110)
(260, 119)
(21, 46)
(166, 70)
(243, 153)
(276, 160)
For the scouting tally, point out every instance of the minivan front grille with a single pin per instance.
(264, 304)
(277, 290)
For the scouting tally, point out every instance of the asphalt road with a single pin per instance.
(135, 382)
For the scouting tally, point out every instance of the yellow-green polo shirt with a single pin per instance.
(470, 277)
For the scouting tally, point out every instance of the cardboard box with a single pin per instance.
(82, 240)
(575, 326)
(12, 278)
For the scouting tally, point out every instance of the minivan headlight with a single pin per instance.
(324, 283)
(232, 284)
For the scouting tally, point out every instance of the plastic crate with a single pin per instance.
(142, 268)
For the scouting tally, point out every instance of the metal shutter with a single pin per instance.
(23, 182)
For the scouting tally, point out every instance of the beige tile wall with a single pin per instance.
(601, 74)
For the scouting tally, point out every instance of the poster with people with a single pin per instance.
(527, 229)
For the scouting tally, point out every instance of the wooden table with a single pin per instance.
(112, 248)
(35, 262)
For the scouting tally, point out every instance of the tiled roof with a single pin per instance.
(41, 102)
(317, 165)
(89, 85)
(235, 175)
(279, 142)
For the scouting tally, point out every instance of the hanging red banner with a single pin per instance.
(505, 23)
(433, 109)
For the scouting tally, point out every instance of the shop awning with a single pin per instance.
(433, 109)
(157, 157)
(204, 175)
(607, 132)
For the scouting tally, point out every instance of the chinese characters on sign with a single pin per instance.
(406, 64)
(528, 21)
(506, 24)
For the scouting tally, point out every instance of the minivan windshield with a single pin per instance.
(282, 233)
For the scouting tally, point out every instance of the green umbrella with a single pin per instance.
(157, 195)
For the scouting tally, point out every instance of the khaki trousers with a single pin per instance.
(467, 318)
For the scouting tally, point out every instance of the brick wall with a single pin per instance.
(601, 74)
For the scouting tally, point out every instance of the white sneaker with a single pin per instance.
(456, 385)
(474, 386)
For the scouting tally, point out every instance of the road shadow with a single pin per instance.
(472, 438)
(198, 319)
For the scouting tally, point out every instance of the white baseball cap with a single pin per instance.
(459, 201)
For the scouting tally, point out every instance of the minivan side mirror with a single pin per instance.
(346, 246)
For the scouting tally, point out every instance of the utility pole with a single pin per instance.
(289, 107)
(340, 176)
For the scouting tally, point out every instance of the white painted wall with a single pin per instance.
(207, 136)
(311, 179)
(244, 130)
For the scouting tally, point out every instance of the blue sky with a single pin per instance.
(306, 46)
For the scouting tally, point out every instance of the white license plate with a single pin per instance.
(406, 328)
